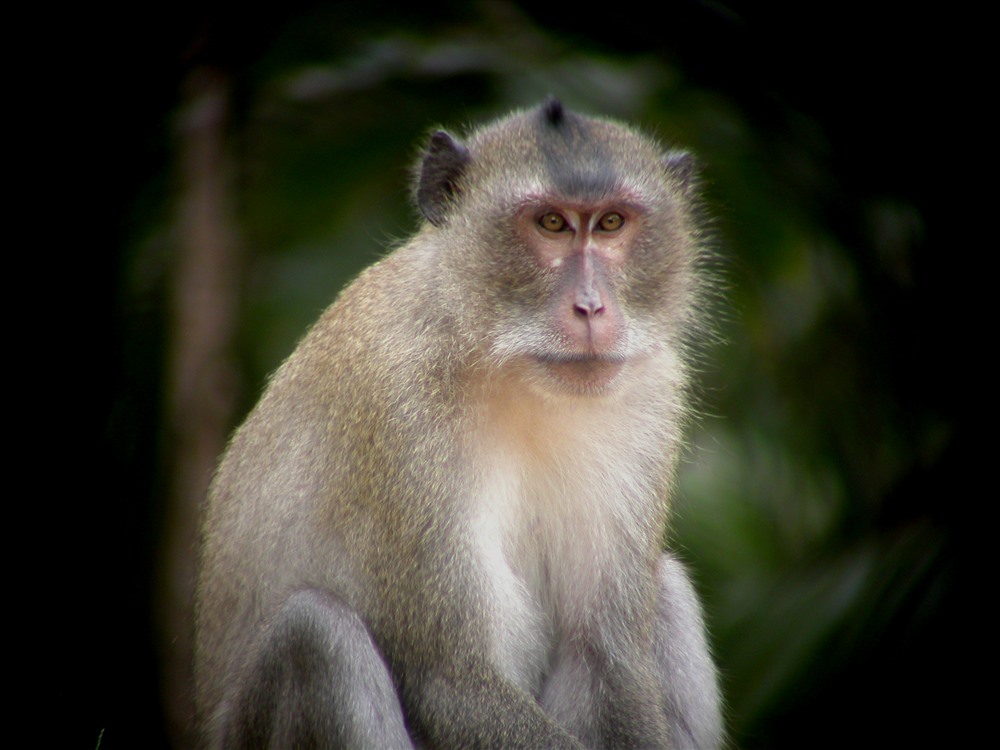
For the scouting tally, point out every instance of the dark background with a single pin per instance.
(232, 170)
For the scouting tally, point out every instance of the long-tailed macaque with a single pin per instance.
(442, 525)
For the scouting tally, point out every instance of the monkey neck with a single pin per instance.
(567, 460)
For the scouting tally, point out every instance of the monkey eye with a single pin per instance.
(552, 222)
(611, 222)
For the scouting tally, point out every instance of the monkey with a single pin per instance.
(442, 525)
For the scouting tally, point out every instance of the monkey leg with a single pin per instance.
(317, 680)
(690, 684)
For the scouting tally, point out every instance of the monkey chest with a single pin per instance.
(543, 549)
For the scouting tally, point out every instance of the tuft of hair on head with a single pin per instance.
(553, 110)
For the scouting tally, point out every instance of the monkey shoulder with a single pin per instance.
(380, 334)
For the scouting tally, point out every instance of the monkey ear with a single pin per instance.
(442, 165)
(680, 166)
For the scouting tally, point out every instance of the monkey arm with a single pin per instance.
(315, 678)
(688, 679)
(481, 709)
(454, 690)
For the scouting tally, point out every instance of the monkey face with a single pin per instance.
(575, 230)
(582, 247)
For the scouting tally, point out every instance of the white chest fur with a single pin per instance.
(566, 505)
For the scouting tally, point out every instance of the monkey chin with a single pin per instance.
(581, 375)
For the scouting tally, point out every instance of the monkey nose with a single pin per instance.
(588, 304)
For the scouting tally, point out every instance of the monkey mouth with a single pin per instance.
(586, 373)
